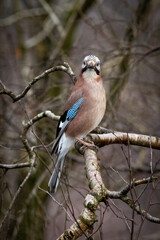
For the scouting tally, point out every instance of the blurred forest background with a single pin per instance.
(39, 34)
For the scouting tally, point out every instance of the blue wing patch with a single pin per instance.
(64, 121)
(74, 109)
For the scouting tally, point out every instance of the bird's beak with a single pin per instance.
(90, 64)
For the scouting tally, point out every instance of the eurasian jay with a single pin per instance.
(83, 112)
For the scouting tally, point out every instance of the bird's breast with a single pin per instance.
(91, 112)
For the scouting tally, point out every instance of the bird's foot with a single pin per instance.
(87, 143)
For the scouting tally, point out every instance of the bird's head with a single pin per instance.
(91, 64)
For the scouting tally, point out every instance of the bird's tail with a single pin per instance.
(54, 179)
(64, 144)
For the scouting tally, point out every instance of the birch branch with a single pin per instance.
(125, 138)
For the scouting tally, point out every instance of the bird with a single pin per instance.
(83, 112)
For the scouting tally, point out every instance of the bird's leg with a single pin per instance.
(87, 143)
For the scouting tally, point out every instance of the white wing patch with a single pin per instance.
(61, 124)
(64, 144)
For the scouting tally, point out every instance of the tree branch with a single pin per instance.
(99, 193)
(65, 68)
(53, 17)
(32, 163)
(125, 138)
(4, 22)
(16, 165)
(39, 116)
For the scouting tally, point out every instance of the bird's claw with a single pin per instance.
(86, 143)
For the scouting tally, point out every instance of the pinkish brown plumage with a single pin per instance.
(83, 112)
(92, 110)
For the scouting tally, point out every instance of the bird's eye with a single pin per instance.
(84, 62)
(98, 64)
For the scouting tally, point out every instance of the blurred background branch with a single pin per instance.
(39, 35)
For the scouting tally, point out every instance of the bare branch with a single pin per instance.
(98, 194)
(53, 17)
(40, 36)
(65, 68)
(16, 165)
(139, 211)
(32, 162)
(6, 91)
(148, 53)
(39, 116)
(31, 195)
(123, 138)
(32, 159)
(21, 15)
(59, 204)
(76, 8)
(126, 189)
(123, 196)
(51, 22)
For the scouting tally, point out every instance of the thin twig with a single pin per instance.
(59, 204)
(18, 191)
(16, 165)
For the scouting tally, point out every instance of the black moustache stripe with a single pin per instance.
(95, 69)
(84, 69)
